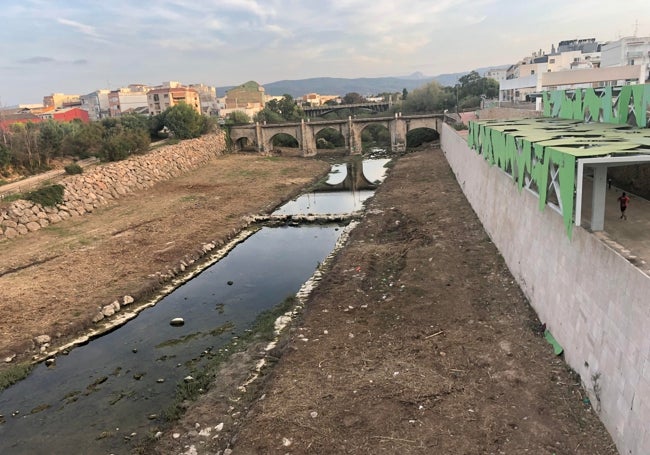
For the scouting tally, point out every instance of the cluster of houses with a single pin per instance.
(148, 100)
(136, 98)
(576, 63)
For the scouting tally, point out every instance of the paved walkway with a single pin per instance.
(630, 237)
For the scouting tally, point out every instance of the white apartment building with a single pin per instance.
(630, 50)
(96, 103)
(498, 74)
(127, 99)
(575, 64)
(208, 98)
(526, 88)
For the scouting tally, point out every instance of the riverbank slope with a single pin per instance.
(417, 340)
(55, 281)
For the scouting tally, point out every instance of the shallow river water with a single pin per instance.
(97, 397)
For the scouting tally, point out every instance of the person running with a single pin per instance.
(623, 200)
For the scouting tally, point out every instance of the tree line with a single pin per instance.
(29, 148)
(430, 98)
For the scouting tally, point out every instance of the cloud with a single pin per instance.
(83, 28)
(250, 6)
(36, 60)
(40, 60)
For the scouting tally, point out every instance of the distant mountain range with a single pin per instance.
(365, 86)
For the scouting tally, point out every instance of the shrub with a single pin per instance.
(48, 196)
(73, 169)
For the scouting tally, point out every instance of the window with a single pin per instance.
(166, 95)
(551, 60)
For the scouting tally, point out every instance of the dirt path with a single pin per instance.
(417, 341)
(54, 281)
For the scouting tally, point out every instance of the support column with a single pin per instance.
(598, 198)
(397, 129)
(259, 137)
(355, 139)
(308, 139)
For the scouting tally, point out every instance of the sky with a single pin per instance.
(78, 46)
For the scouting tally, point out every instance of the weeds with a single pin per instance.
(595, 378)
(262, 329)
(14, 374)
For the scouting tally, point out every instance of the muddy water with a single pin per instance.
(101, 395)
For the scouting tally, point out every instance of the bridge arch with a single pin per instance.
(243, 137)
(377, 133)
(270, 133)
(331, 136)
(283, 141)
(351, 129)
(418, 136)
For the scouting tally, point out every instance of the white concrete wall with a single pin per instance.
(594, 302)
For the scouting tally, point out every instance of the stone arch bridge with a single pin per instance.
(261, 135)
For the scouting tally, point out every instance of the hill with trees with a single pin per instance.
(364, 85)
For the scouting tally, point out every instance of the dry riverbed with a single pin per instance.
(417, 340)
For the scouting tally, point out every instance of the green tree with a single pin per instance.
(238, 118)
(329, 138)
(405, 93)
(353, 98)
(50, 140)
(184, 122)
(473, 85)
(24, 145)
(429, 98)
(135, 122)
(289, 109)
(375, 134)
(83, 140)
(268, 115)
(277, 111)
(284, 140)
(156, 124)
(124, 143)
(5, 159)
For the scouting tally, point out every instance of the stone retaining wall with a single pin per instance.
(85, 192)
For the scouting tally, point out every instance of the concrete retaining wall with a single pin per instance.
(498, 113)
(594, 302)
(85, 192)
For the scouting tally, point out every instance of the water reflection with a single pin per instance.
(343, 193)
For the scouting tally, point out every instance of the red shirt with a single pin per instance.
(624, 200)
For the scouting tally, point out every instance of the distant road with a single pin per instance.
(29, 183)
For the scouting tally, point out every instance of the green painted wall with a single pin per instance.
(532, 148)
(627, 105)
